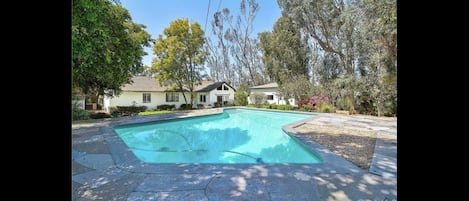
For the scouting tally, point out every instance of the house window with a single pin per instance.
(202, 99)
(225, 88)
(270, 97)
(146, 97)
(220, 87)
(172, 97)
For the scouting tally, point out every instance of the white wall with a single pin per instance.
(229, 95)
(271, 91)
(211, 97)
(197, 99)
(127, 98)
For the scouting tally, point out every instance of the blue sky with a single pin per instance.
(156, 15)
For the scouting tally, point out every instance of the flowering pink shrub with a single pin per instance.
(314, 101)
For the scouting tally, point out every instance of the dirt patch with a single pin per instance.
(357, 146)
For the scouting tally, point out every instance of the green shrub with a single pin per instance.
(306, 107)
(185, 106)
(273, 106)
(156, 112)
(250, 105)
(133, 109)
(122, 111)
(265, 106)
(324, 107)
(165, 107)
(99, 115)
(78, 113)
(284, 107)
(240, 98)
(343, 103)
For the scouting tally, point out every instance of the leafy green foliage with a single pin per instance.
(344, 103)
(353, 51)
(155, 112)
(185, 106)
(99, 115)
(325, 107)
(241, 97)
(107, 47)
(121, 111)
(78, 113)
(165, 107)
(299, 87)
(285, 107)
(180, 56)
(284, 52)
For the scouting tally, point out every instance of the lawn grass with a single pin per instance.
(156, 112)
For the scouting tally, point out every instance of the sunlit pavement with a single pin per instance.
(103, 168)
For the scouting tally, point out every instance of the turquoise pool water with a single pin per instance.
(234, 136)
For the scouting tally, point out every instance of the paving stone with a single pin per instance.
(96, 161)
(92, 147)
(84, 131)
(345, 187)
(298, 186)
(377, 128)
(75, 190)
(193, 195)
(78, 168)
(96, 178)
(87, 139)
(236, 187)
(77, 154)
(384, 160)
(117, 190)
(171, 182)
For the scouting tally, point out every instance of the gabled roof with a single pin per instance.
(207, 86)
(270, 85)
(143, 83)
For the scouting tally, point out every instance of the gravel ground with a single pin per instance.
(357, 146)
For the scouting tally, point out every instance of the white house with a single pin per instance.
(146, 91)
(272, 96)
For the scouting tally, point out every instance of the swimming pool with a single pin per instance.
(234, 136)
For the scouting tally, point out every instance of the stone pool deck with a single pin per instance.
(103, 168)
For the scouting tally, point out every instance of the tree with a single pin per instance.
(299, 88)
(238, 56)
(379, 27)
(219, 60)
(241, 97)
(179, 56)
(107, 47)
(357, 62)
(331, 24)
(284, 53)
